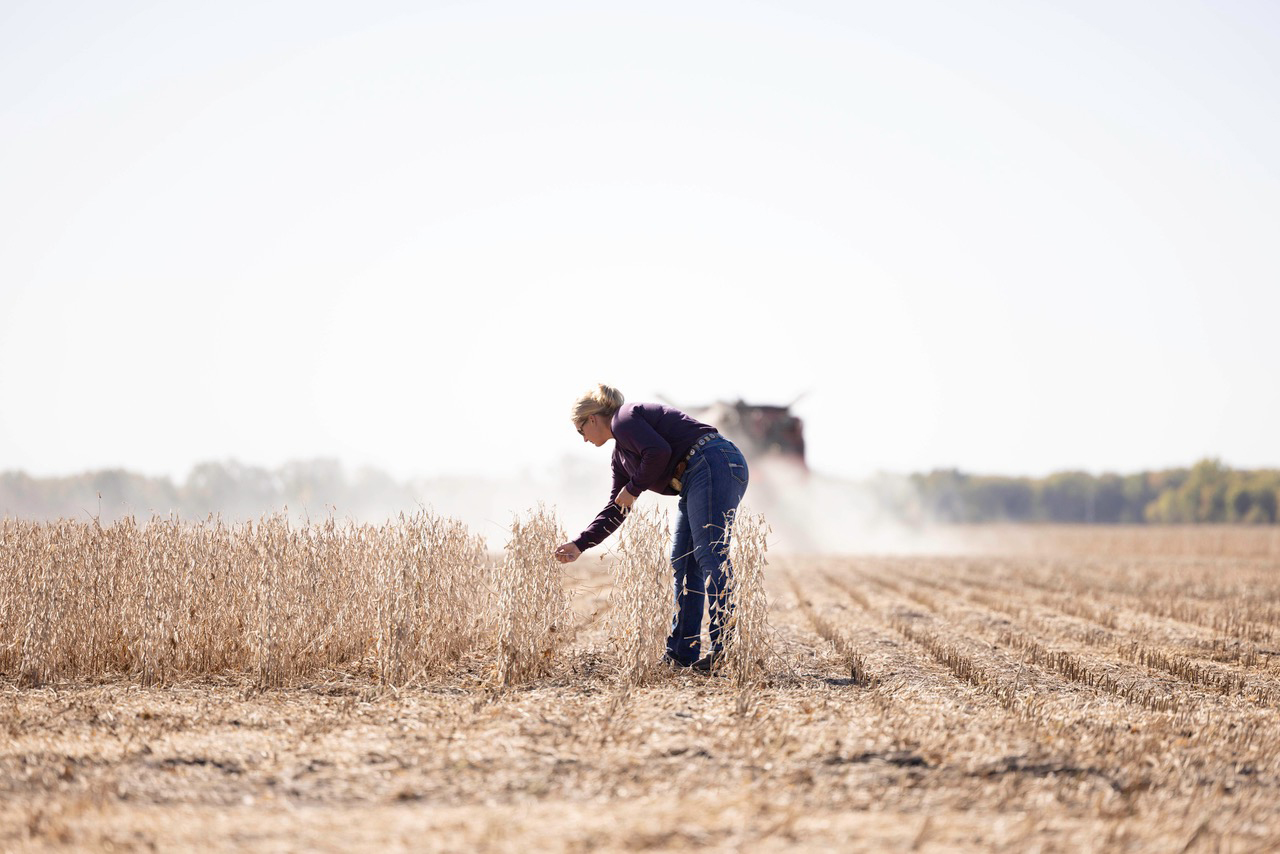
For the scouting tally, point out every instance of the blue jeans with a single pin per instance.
(714, 483)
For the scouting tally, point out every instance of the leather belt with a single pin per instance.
(684, 464)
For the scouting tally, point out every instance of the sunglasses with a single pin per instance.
(581, 424)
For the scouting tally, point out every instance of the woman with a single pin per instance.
(664, 450)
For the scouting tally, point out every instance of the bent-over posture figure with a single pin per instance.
(662, 449)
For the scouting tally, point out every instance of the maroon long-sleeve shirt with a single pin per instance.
(649, 439)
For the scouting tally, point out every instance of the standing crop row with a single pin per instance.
(171, 599)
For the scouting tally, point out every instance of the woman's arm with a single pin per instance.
(608, 519)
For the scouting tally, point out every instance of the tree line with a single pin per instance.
(1208, 491)
(228, 489)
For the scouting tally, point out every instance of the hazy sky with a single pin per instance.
(1006, 236)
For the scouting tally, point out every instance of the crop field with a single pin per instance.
(178, 687)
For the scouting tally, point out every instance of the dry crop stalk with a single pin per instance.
(532, 607)
(433, 596)
(641, 604)
(748, 636)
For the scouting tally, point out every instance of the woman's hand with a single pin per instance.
(624, 500)
(568, 553)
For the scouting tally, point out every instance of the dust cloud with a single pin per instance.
(808, 512)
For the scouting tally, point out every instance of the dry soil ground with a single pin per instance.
(1114, 696)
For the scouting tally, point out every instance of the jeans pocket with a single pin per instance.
(737, 467)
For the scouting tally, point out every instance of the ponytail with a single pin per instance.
(602, 400)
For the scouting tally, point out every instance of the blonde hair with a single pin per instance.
(601, 400)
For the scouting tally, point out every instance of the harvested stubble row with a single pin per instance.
(1076, 661)
(1076, 620)
(1182, 590)
(1104, 711)
(1123, 616)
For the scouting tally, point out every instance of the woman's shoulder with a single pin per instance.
(648, 411)
(628, 412)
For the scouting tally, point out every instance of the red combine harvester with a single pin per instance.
(761, 431)
(782, 487)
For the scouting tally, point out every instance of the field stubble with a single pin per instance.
(396, 687)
